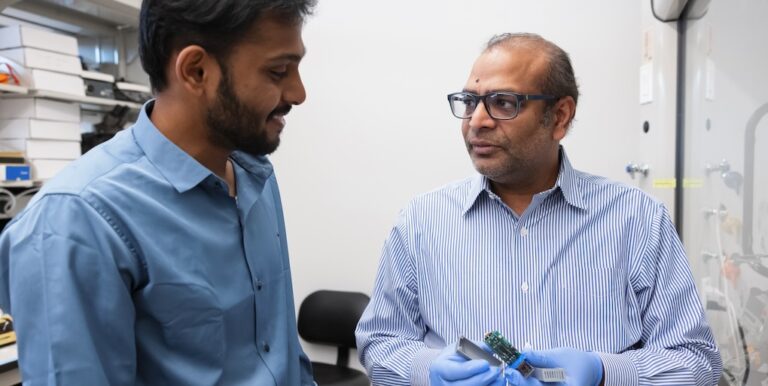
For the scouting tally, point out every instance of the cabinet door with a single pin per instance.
(649, 159)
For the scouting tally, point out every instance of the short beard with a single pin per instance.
(233, 125)
(501, 173)
(516, 167)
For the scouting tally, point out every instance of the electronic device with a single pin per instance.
(470, 350)
(515, 359)
(98, 84)
(507, 352)
(132, 92)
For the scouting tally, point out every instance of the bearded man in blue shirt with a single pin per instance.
(160, 257)
(582, 273)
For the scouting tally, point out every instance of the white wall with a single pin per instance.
(376, 129)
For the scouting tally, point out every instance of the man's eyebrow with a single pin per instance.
(290, 57)
(504, 90)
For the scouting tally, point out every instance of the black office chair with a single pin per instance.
(330, 318)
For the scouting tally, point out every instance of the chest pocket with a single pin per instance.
(590, 307)
(589, 282)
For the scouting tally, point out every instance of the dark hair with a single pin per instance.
(560, 80)
(216, 25)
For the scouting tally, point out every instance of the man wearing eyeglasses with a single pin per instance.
(578, 272)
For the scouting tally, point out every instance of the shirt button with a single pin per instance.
(266, 347)
(524, 287)
(523, 231)
(258, 285)
(527, 346)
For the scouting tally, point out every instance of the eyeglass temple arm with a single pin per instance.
(528, 97)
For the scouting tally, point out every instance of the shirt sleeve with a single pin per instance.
(678, 346)
(66, 280)
(306, 370)
(390, 333)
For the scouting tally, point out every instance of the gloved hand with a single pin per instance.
(582, 368)
(450, 368)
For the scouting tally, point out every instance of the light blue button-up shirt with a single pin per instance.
(134, 266)
(591, 264)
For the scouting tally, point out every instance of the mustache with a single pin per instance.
(281, 110)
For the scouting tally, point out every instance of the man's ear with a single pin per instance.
(196, 70)
(564, 110)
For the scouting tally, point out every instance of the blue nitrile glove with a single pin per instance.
(582, 368)
(450, 368)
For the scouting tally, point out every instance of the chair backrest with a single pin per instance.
(330, 317)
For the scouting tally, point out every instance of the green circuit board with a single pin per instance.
(506, 351)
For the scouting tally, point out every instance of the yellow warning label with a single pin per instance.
(693, 183)
(664, 183)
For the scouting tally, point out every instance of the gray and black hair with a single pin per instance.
(560, 80)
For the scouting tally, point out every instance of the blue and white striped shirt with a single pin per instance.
(591, 264)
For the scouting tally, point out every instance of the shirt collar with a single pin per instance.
(478, 184)
(566, 182)
(179, 168)
(257, 166)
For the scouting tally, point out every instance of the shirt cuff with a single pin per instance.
(420, 367)
(618, 370)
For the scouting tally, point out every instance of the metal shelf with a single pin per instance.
(19, 184)
(81, 17)
(84, 101)
(11, 89)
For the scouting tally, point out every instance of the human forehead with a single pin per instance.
(507, 69)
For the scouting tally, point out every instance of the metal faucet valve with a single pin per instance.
(723, 167)
(633, 168)
(721, 212)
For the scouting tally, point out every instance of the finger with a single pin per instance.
(454, 371)
(500, 380)
(456, 357)
(486, 378)
(541, 359)
(514, 378)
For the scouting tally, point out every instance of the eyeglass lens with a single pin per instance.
(499, 106)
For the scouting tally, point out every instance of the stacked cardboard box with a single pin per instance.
(49, 61)
(46, 131)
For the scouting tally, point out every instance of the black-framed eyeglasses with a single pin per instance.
(499, 105)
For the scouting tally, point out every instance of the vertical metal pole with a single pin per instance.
(680, 125)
